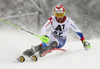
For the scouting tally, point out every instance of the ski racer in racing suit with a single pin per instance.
(60, 26)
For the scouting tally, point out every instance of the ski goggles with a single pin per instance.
(59, 14)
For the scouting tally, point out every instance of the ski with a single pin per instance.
(52, 50)
(35, 58)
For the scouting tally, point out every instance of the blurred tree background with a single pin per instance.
(32, 14)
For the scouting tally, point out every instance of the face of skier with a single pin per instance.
(59, 19)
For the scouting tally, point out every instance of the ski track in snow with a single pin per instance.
(12, 44)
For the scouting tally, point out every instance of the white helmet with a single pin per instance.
(59, 11)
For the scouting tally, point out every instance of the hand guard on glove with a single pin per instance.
(86, 45)
(45, 35)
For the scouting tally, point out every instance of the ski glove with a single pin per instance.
(45, 35)
(86, 45)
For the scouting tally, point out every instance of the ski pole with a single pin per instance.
(43, 39)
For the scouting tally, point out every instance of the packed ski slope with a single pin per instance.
(12, 44)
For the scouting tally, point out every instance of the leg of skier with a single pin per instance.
(29, 53)
(53, 43)
(32, 50)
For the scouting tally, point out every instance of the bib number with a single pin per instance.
(59, 28)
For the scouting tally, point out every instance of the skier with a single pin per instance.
(60, 25)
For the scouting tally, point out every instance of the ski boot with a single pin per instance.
(51, 46)
(32, 50)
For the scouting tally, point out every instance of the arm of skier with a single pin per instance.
(79, 33)
(46, 26)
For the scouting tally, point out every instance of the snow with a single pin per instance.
(13, 43)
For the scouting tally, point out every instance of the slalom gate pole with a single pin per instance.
(43, 39)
